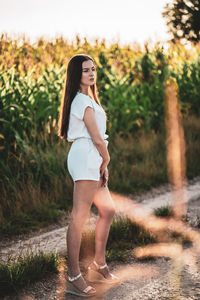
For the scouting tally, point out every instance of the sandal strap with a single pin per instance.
(71, 279)
(113, 277)
(87, 289)
(99, 266)
(104, 266)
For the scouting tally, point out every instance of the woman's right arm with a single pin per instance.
(92, 127)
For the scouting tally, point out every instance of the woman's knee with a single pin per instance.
(79, 217)
(108, 212)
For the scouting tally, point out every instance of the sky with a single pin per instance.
(125, 21)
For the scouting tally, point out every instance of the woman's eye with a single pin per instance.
(88, 70)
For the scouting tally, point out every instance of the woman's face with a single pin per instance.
(88, 73)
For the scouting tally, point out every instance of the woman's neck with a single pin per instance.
(84, 90)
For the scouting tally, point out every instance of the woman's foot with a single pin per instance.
(76, 285)
(103, 275)
(103, 269)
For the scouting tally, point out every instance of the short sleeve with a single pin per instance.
(79, 105)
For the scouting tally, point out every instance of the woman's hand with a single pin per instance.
(105, 177)
(103, 166)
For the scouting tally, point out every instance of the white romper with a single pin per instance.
(84, 160)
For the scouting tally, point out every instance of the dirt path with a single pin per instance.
(157, 279)
(153, 280)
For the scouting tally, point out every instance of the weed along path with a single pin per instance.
(160, 278)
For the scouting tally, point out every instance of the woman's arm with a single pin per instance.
(92, 127)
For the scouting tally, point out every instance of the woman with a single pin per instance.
(83, 122)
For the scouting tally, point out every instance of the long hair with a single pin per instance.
(72, 85)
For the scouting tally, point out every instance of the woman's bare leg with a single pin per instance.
(106, 208)
(83, 195)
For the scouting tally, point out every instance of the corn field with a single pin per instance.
(130, 83)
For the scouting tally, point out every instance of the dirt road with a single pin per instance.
(158, 279)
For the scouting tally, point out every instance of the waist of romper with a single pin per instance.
(89, 139)
(84, 137)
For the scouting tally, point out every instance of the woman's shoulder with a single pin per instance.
(81, 97)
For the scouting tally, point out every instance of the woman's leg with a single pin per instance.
(106, 208)
(83, 195)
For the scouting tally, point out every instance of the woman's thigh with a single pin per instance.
(83, 195)
(103, 200)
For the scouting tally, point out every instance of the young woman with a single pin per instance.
(83, 122)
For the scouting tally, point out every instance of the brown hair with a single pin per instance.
(72, 85)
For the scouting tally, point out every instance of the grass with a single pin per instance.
(36, 186)
(117, 255)
(137, 162)
(164, 211)
(16, 274)
(167, 211)
(198, 222)
(87, 248)
(124, 234)
(35, 219)
(191, 126)
(127, 234)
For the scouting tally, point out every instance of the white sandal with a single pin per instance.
(71, 289)
(96, 276)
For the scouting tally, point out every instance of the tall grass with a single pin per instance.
(137, 163)
(33, 169)
(192, 135)
(36, 181)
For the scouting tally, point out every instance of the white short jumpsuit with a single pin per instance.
(84, 160)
